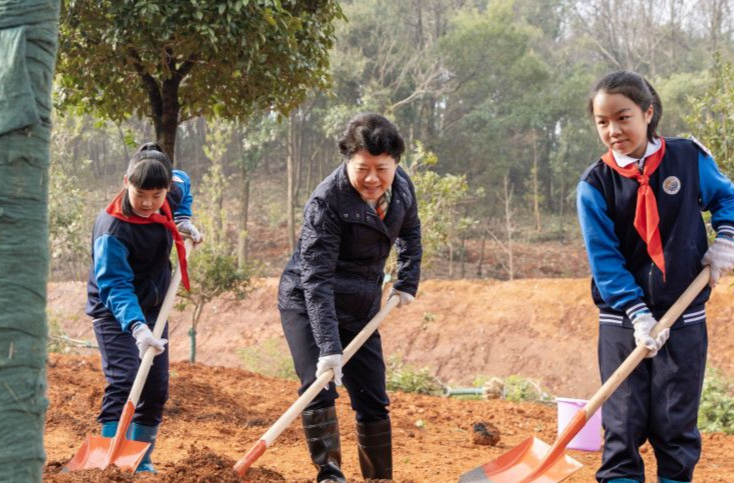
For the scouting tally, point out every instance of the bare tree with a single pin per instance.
(509, 228)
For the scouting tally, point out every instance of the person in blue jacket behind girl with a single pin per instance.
(640, 212)
(130, 274)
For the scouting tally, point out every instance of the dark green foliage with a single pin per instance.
(717, 404)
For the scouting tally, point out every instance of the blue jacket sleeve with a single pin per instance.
(183, 211)
(616, 284)
(115, 280)
(717, 195)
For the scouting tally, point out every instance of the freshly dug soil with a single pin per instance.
(215, 414)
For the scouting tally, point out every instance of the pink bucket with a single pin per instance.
(590, 436)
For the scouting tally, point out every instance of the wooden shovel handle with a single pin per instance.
(160, 324)
(292, 413)
(305, 399)
(634, 359)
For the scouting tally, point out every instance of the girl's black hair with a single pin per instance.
(374, 133)
(149, 169)
(635, 87)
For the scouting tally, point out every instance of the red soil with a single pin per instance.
(215, 414)
(540, 328)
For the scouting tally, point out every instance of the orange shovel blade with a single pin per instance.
(524, 464)
(95, 453)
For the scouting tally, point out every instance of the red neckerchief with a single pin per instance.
(166, 219)
(647, 217)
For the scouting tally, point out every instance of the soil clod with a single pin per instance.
(485, 434)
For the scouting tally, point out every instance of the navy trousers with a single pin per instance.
(658, 402)
(363, 375)
(120, 363)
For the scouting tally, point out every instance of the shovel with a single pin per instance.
(297, 407)
(101, 452)
(533, 461)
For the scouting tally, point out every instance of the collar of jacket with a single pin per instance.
(353, 209)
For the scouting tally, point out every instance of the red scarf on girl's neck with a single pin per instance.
(647, 218)
(166, 219)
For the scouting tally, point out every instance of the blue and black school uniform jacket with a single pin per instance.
(131, 268)
(625, 280)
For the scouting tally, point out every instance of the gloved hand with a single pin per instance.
(144, 338)
(332, 361)
(405, 298)
(188, 228)
(720, 256)
(644, 322)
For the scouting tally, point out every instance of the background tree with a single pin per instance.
(497, 89)
(712, 115)
(28, 42)
(171, 60)
(213, 269)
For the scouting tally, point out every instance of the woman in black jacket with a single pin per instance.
(332, 287)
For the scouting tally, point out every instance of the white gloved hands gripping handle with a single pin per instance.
(185, 227)
(720, 257)
(405, 297)
(333, 362)
(144, 338)
(644, 323)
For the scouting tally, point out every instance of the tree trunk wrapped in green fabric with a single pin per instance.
(28, 44)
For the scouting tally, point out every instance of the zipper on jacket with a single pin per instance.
(157, 295)
(650, 284)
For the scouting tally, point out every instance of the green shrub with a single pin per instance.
(269, 359)
(519, 388)
(717, 404)
(55, 332)
(405, 377)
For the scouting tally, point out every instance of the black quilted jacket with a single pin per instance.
(336, 272)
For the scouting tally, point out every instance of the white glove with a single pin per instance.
(643, 326)
(405, 298)
(188, 228)
(144, 338)
(720, 256)
(333, 361)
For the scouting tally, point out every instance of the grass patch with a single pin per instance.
(269, 359)
(407, 378)
(717, 404)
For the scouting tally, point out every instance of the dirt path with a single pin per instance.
(545, 329)
(215, 414)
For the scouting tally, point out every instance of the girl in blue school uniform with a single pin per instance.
(640, 212)
(130, 274)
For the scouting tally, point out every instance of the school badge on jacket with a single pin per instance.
(671, 185)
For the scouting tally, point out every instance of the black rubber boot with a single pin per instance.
(322, 436)
(375, 449)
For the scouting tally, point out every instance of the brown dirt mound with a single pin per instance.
(53, 473)
(432, 437)
(460, 329)
(204, 466)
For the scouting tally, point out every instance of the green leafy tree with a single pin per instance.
(28, 42)
(212, 273)
(439, 201)
(213, 269)
(712, 117)
(171, 60)
(494, 123)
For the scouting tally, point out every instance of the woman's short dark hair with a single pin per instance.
(635, 87)
(374, 133)
(148, 169)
